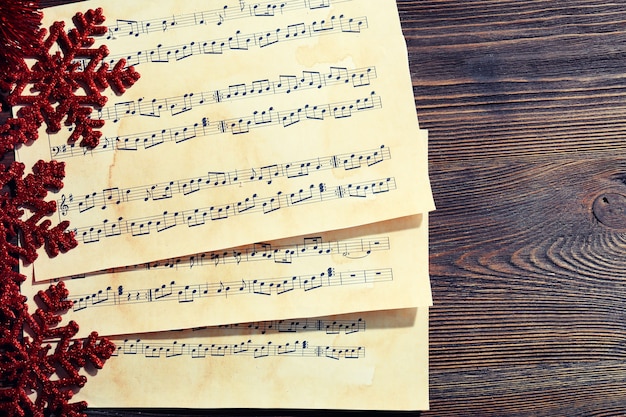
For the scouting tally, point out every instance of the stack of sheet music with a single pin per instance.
(263, 187)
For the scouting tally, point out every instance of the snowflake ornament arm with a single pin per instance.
(32, 366)
(29, 193)
(56, 78)
(36, 379)
(28, 364)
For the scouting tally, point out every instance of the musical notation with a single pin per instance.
(189, 293)
(280, 254)
(276, 253)
(247, 348)
(239, 41)
(245, 9)
(315, 193)
(236, 126)
(285, 84)
(330, 327)
(161, 191)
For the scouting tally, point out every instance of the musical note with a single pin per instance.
(166, 53)
(168, 221)
(172, 349)
(259, 167)
(284, 85)
(235, 126)
(102, 296)
(324, 25)
(120, 110)
(136, 28)
(123, 28)
(248, 204)
(268, 10)
(239, 42)
(287, 83)
(155, 55)
(155, 108)
(90, 234)
(160, 191)
(295, 30)
(87, 202)
(166, 24)
(221, 15)
(190, 293)
(176, 107)
(113, 196)
(261, 86)
(299, 325)
(112, 228)
(162, 292)
(362, 78)
(125, 144)
(186, 186)
(302, 195)
(196, 218)
(139, 228)
(255, 204)
(352, 25)
(347, 326)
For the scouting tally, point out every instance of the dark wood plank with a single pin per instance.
(512, 78)
(525, 103)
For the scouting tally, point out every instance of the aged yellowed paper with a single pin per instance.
(250, 122)
(373, 267)
(375, 360)
(365, 360)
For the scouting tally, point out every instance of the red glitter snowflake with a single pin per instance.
(29, 193)
(36, 379)
(52, 83)
(29, 369)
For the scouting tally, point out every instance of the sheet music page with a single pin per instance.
(375, 360)
(251, 121)
(373, 267)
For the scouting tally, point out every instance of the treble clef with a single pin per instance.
(64, 208)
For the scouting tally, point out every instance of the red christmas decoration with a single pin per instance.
(26, 365)
(54, 80)
(29, 369)
(19, 25)
(36, 379)
(29, 192)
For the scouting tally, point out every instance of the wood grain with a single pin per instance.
(525, 103)
(526, 106)
(511, 78)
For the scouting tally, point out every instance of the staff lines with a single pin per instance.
(155, 350)
(286, 84)
(238, 41)
(263, 251)
(281, 254)
(237, 126)
(315, 193)
(116, 196)
(296, 326)
(266, 287)
(135, 28)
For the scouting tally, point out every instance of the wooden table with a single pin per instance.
(526, 106)
(525, 102)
